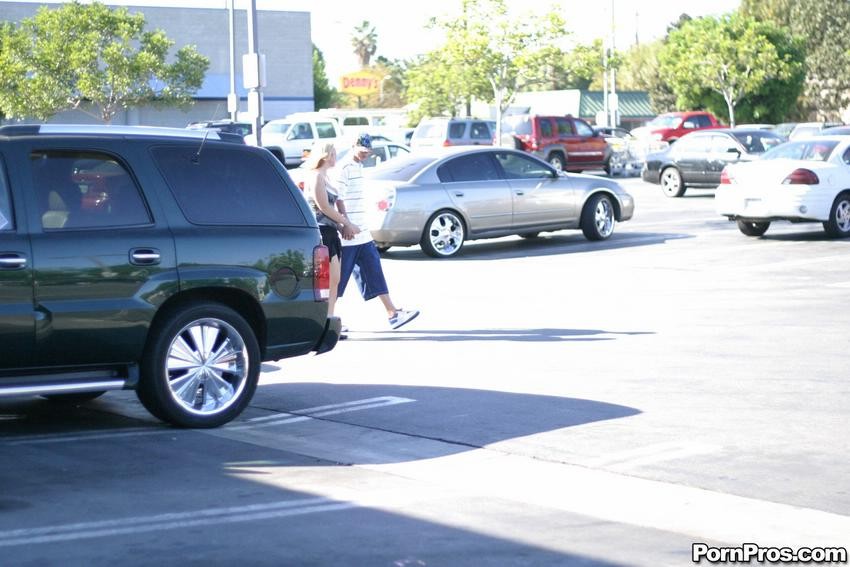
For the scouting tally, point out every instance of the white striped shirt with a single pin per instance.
(349, 184)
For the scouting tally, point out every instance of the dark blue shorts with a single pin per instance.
(364, 262)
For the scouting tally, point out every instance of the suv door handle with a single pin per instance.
(144, 256)
(12, 261)
(458, 193)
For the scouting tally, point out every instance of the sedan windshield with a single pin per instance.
(809, 150)
(402, 168)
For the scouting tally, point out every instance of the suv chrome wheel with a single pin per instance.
(201, 367)
(207, 366)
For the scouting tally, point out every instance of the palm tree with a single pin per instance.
(365, 42)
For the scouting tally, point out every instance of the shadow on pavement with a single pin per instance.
(547, 244)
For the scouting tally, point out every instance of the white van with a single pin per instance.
(291, 138)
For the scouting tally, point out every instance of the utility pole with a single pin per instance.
(232, 99)
(254, 73)
(613, 101)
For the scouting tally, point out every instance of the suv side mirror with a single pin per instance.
(689, 124)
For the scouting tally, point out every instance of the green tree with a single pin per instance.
(324, 95)
(365, 42)
(823, 26)
(63, 57)
(641, 71)
(486, 47)
(579, 67)
(733, 56)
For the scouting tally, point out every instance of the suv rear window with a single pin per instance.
(325, 130)
(227, 187)
(456, 129)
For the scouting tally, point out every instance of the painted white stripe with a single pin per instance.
(265, 421)
(161, 522)
(333, 409)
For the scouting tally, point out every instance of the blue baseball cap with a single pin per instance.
(364, 141)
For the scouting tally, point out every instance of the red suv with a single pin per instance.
(671, 126)
(566, 142)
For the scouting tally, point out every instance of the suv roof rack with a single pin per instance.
(105, 130)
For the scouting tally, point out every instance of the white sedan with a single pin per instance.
(799, 181)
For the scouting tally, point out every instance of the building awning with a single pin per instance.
(632, 104)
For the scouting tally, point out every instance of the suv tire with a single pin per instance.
(558, 161)
(200, 367)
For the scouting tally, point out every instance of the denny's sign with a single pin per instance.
(361, 83)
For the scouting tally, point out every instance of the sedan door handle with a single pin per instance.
(458, 193)
(12, 261)
(520, 192)
(144, 256)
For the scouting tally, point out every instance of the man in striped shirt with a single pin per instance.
(359, 254)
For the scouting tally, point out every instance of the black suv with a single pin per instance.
(162, 260)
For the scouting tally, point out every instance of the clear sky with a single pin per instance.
(400, 24)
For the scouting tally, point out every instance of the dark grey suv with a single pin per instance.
(163, 260)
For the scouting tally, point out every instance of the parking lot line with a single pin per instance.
(142, 524)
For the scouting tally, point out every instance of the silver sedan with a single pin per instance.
(440, 198)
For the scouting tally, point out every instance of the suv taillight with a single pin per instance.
(447, 143)
(321, 273)
(801, 176)
(725, 177)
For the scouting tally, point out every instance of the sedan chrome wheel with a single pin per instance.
(207, 366)
(671, 182)
(597, 217)
(444, 235)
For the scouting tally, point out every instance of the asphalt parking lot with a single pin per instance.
(558, 402)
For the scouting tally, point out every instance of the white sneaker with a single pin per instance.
(402, 317)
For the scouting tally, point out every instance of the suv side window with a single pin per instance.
(545, 128)
(301, 131)
(583, 128)
(85, 190)
(471, 167)
(565, 127)
(702, 120)
(227, 187)
(5, 203)
(325, 130)
(480, 131)
(456, 129)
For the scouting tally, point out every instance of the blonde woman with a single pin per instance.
(322, 198)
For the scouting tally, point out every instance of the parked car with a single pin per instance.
(240, 129)
(161, 260)
(698, 159)
(381, 152)
(291, 138)
(755, 126)
(567, 143)
(432, 132)
(671, 126)
(835, 131)
(807, 129)
(442, 197)
(799, 181)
